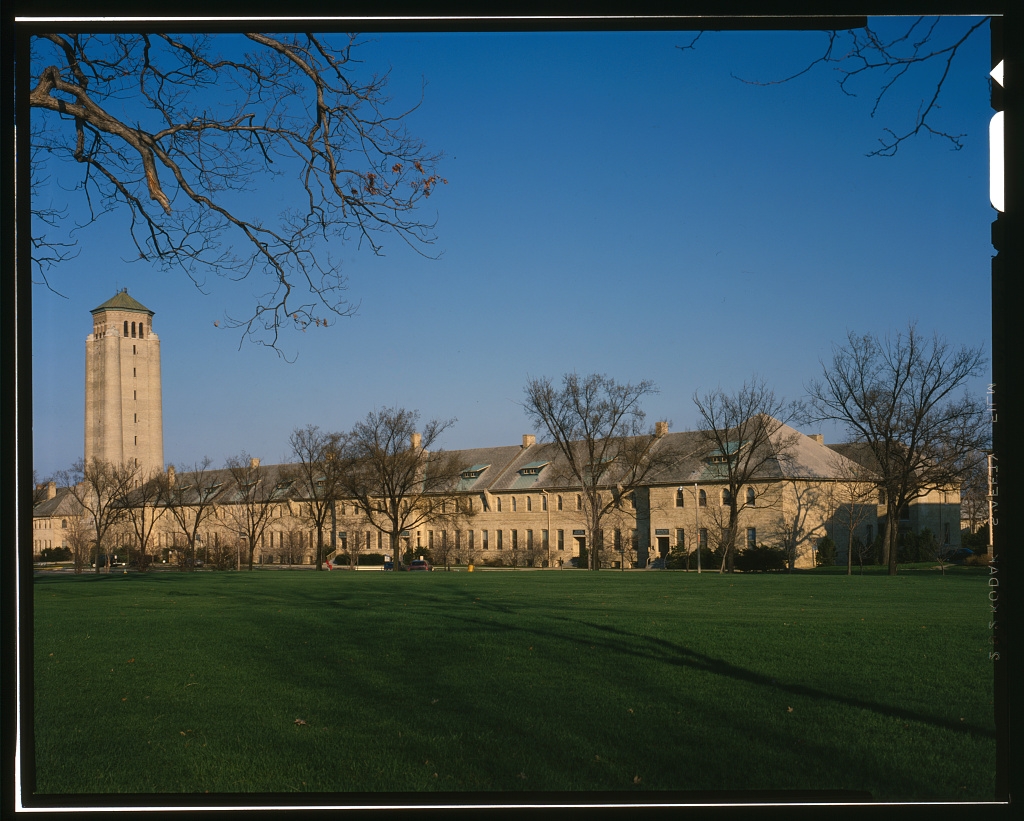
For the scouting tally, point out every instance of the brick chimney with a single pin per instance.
(51, 490)
(254, 463)
(660, 429)
(529, 440)
(415, 441)
(818, 437)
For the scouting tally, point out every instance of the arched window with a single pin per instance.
(498, 500)
(559, 502)
(750, 497)
(579, 502)
(513, 504)
(133, 330)
(529, 503)
(702, 499)
(141, 326)
(679, 497)
(126, 327)
(726, 496)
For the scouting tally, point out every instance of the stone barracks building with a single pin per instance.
(522, 511)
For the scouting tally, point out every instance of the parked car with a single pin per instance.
(420, 564)
(388, 565)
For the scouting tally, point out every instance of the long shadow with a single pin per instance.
(679, 656)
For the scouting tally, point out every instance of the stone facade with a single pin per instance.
(521, 510)
(123, 398)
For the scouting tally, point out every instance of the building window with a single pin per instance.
(515, 539)
(133, 350)
(544, 502)
(618, 540)
(500, 539)
(498, 500)
(126, 328)
(529, 503)
(513, 504)
(750, 497)
(471, 540)
(702, 538)
(680, 538)
(751, 537)
(561, 540)
(486, 544)
(133, 330)
(579, 502)
(140, 330)
(544, 540)
(702, 499)
(726, 496)
(529, 539)
(559, 505)
(881, 497)
(679, 497)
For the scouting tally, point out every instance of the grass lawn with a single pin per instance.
(280, 681)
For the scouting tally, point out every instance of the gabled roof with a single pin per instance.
(122, 302)
(63, 504)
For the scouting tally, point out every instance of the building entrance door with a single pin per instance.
(581, 546)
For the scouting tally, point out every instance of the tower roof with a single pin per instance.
(122, 302)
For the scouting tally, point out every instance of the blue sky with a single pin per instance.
(614, 204)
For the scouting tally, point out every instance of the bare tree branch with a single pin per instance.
(178, 129)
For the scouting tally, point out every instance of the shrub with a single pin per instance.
(761, 559)
(825, 556)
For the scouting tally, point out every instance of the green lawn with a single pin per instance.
(352, 682)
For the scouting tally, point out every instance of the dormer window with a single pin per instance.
(474, 472)
(533, 468)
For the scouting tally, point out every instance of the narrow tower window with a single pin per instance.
(140, 330)
(133, 330)
(126, 327)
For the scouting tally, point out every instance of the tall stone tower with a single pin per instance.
(123, 404)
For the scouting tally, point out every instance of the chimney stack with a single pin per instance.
(51, 490)
(660, 429)
(415, 441)
(818, 437)
(529, 440)
(254, 463)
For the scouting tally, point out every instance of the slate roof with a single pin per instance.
(63, 504)
(122, 302)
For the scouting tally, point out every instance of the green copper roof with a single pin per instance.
(122, 302)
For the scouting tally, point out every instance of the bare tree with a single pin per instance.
(98, 487)
(597, 425)
(922, 50)
(974, 492)
(319, 469)
(747, 439)
(190, 501)
(904, 397)
(251, 500)
(80, 539)
(170, 128)
(143, 506)
(853, 498)
(394, 478)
